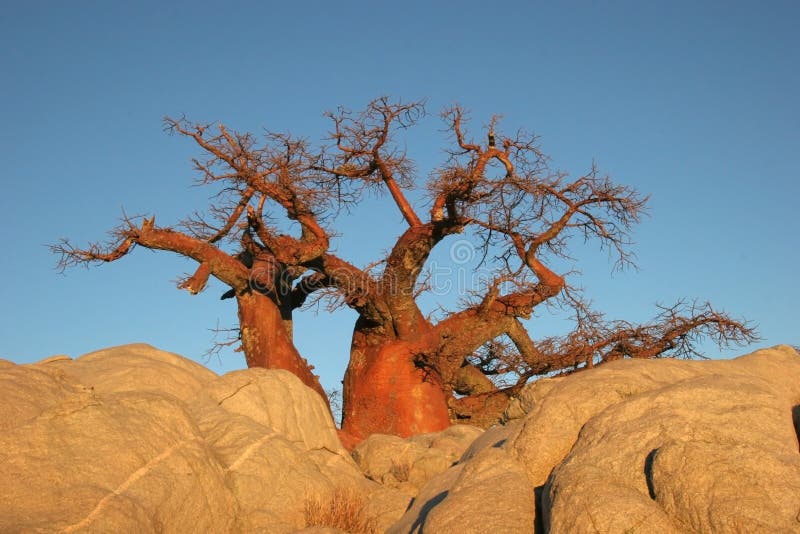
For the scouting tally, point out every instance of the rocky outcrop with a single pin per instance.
(716, 452)
(472, 495)
(272, 399)
(133, 439)
(634, 446)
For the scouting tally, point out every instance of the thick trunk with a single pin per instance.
(386, 393)
(268, 343)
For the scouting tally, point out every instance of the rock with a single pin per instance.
(487, 486)
(429, 496)
(492, 489)
(55, 358)
(130, 461)
(137, 440)
(380, 458)
(278, 400)
(556, 409)
(135, 367)
(494, 437)
(253, 455)
(452, 442)
(384, 507)
(26, 392)
(266, 426)
(409, 463)
(716, 453)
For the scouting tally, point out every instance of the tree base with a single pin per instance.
(385, 393)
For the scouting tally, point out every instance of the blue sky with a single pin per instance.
(694, 103)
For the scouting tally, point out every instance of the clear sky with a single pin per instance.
(694, 103)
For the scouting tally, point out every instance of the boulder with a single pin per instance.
(384, 507)
(133, 439)
(26, 392)
(492, 486)
(277, 399)
(429, 496)
(486, 486)
(121, 462)
(134, 367)
(553, 411)
(407, 464)
(261, 426)
(714, 453)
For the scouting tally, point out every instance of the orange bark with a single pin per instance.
(385, 392)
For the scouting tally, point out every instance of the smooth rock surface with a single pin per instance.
(134, 367)
(133, 439)
(122, 462)
(272, 398)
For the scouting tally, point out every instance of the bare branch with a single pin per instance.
(364, 143)
(234, 216)
(197, 282)
(216, 262)
(675, 332)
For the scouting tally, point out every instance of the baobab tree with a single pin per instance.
(410, 372)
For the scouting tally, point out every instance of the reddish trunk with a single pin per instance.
(386, 393)
(267, 342)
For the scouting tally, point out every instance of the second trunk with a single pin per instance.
(386, 393)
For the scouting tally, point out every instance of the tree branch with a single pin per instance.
(234, 217)
(364, 148)
(197, 282)
(212, 260)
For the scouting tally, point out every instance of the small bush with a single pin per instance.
(340, 510)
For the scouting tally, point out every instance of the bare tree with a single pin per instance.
(253, 179)
(409, 373)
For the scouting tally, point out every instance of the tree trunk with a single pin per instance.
(386, 393)
(268, 343)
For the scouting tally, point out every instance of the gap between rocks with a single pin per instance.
(648, 473)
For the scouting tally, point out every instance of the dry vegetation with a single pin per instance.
(401, 470)
(342, 509)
